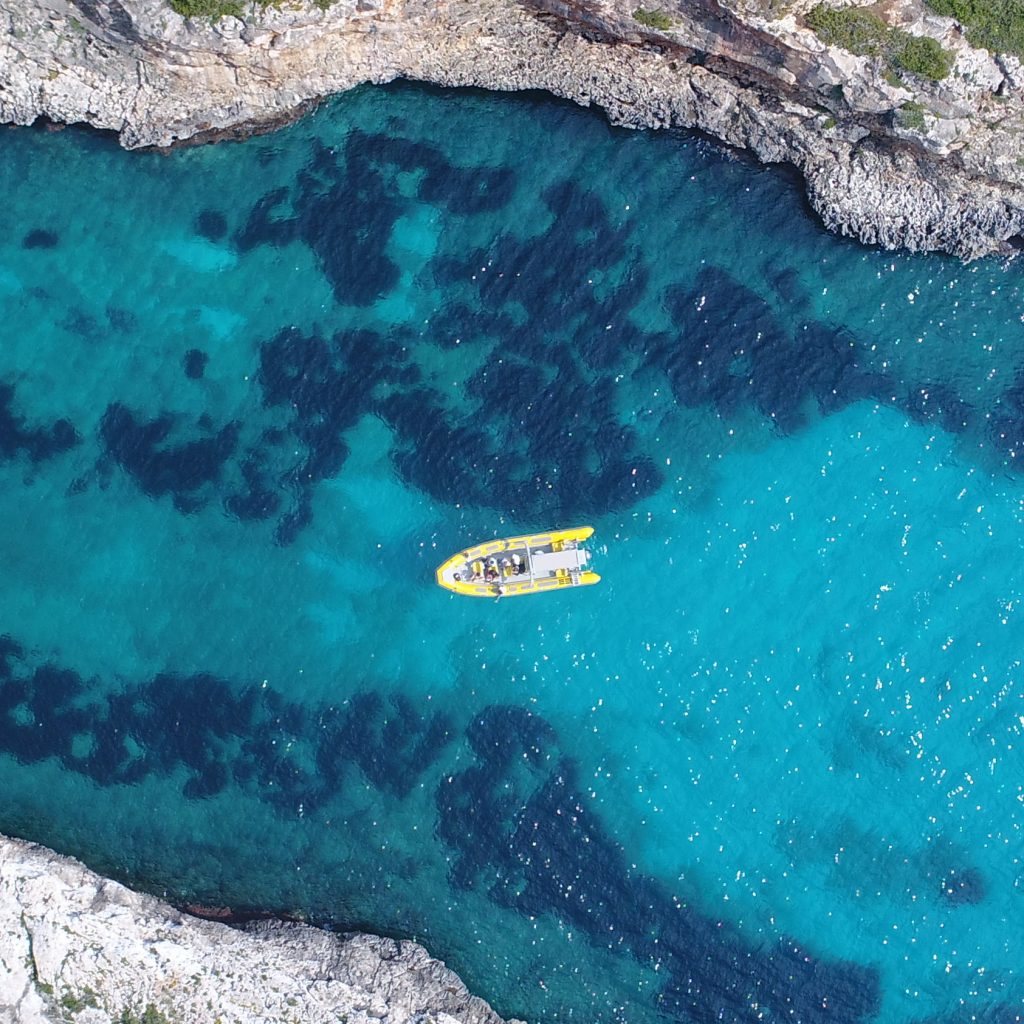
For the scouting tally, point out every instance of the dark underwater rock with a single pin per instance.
(194, 363)
(40, 238)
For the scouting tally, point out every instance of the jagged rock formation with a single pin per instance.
(77, 947)
(948, 178)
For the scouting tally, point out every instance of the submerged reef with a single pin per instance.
(512, 822)
(511, 818)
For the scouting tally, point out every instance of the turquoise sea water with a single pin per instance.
(252, 394)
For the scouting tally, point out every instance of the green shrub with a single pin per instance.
(921, 55)
(911, 115)
(830, 123)
(216, 9)
(996, 25)
(150, 1015)
(653, 19)
(209, 8)
(864, 33)
(71, 1003)
(855, 30)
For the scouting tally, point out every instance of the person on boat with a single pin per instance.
(517, 564)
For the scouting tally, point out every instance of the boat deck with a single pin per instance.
(520, 565)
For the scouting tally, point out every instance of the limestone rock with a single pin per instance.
(70, 939)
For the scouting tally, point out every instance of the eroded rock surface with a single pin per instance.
(898, 161)
(75, 946)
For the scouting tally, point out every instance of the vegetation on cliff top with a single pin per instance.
(653, 19)
(150, 1015)
(215, 9)
(996, 25)
(911, 115)
(864, 33)
(208, 8)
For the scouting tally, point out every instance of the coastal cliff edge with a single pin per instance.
(76, 947)
(898, 160)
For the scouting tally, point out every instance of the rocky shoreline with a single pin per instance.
(951, 178)
(75, 947)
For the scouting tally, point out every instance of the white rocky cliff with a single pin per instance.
(950, 178)
(76, 947)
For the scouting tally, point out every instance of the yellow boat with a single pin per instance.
(512, 566)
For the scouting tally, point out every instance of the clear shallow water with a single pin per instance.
(769, 769)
